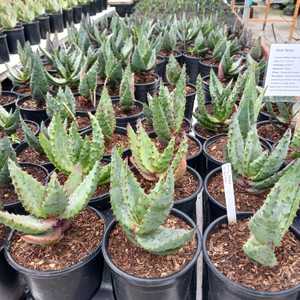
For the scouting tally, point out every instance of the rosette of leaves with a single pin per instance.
(37, 7)
(141, 215)
(169, 38)
(173, 71)
(81, 37)
(8, 15)
(223, 100)
(272, 221)
(149, 161)
(256, 169)
(63, 103)
(229, 67)
(67, 149)
(199, 46)
(21, 75)
(52, 207)
(127, 90)
(6, 152)
(52, 6)
(165, 111)
(25, 13)
(9, 121)
(232, 47)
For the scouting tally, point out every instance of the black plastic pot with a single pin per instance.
(160, 69)
(77, 14)
(11, 287)
(174, 287)
(206, 89)
(271, 142)
(99, 5)
(205, 68)
(37, 115)
(56, 22)
(44, 23)
(123, 121)
(16, 207)
(68, 17)
(32, 32)
(12, 104)
(163, 66)
(124, 10)
(104, 3)
(189, 106)
(85, 9)
(188, 205)
(192, 68)
(4, 52)
(195, 160)
(222, 288)
(143, 89)
(13, 36)
(92, 8)
(78, 282)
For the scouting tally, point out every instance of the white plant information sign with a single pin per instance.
(229, 193)
(283, 73)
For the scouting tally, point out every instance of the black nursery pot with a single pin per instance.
(12, 104)
(10, 284)
(192, 67)
(56, 22)
(92, 8)
(44, 23)
(16, 207)
(13, 36)
(32, 32)
(132, 120)
(78, 282)
(160, 69)
(195, 160)
(104, 4)
(188, 205)
(77, 14)
(4, 52)
(85, 8)
(222, 288)
(205, 68)
(68, 17)
(143, 89)
(98, 5)
(36, 115)
(206, 89)
(173, 287)
(189, 106)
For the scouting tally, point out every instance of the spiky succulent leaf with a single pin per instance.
(73, 181)
(79, 199)
(165, 240)
(88, 82)
(30, 192)
(6, 152)
(273, 219)
(38, 80)
(127, 89)
(30, 137)
(9, 121)
(173, 70)
(105, 114)
(25, 224)
(55, 201)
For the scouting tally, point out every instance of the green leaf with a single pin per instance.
(30, 137)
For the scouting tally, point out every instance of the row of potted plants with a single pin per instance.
(143, 168)
(32, 20)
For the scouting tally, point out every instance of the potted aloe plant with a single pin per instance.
(141, 268)
(26, 15)
(173, 74)
(61, 237)
(54, 10)
(262, 246)
(33, 107)
(10, 199)
(255, 169)
(77, 11)
(127, 110)
(67, 12)
(40, 14)
(143, 61)
(8, 21)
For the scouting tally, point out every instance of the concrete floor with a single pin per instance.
(281, 29)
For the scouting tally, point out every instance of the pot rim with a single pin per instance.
(153, 281)
(149, 83)
(134, 116)
(16, 28)
(10, 93)
(56, 273)
(190, 136)
(24, 98)
(222, 277)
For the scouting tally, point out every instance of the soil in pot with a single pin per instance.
(83, 122)
(33, 104)
(6, 99)
(30, 155)
(245, 201)
(83, 104)
(18, 136)
(145, 83)
(113, 90)
(272, 132)
(120, 113)
(144, 77)
(8, 193)
(189, 89)
(78, 242)
(217, 149)
(23, 90)
(3, 234)
(225, 245)
(143, 264)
